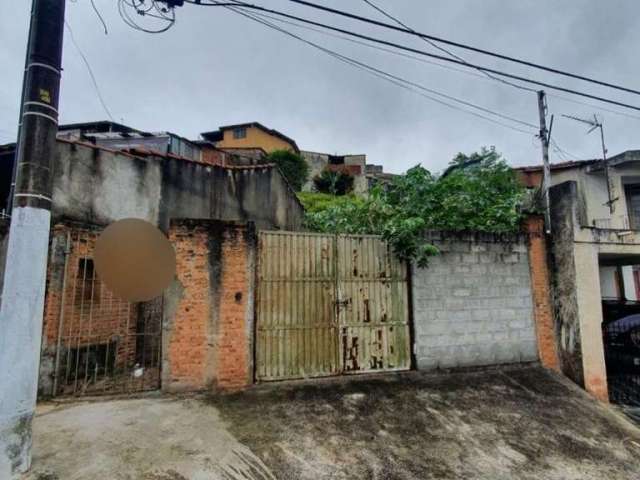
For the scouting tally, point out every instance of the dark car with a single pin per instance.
(622, 345)
(621, 338)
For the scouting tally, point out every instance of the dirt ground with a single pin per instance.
(518, 423)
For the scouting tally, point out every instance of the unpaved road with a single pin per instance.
(521, 423)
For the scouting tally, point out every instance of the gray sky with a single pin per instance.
(216, 68)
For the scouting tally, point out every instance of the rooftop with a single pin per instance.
(215, 135)
(619, 159)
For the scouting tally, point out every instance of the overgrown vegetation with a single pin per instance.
(477, 192)
(315, 202)
(292, 165)
(333, 183)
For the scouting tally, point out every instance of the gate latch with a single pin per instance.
(343, 303)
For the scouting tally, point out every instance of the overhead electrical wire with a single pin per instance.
(592, 105)
(399, 81)
(145, 8)
(90, 70)
(422, 87)
(562, 151)
(243, 5)
(95, 9)
(442, 49)
(429, 62)
(410, 31)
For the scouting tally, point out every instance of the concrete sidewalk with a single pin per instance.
(150, 439)
(522, 423)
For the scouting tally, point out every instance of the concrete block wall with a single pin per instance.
(472, 305)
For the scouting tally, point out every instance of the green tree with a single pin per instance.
(292, 165)
(333, 183)
(477, 192)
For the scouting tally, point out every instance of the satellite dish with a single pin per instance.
(134, 260)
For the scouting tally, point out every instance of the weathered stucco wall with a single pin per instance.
(97, 186)
(564, 219)
(473, 304)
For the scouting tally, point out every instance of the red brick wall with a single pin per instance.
(213, 156)
(186, 358)
(234, 338)
(209, 329)
(91, 314)
(541, 289)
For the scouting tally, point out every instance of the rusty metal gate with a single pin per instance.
(97, 342)
(329, 305)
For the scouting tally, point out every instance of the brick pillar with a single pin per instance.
(541, 291)
(236, 292)
(208, 326)
(187, 364)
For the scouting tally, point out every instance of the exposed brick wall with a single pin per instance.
(213, 156)
(208, 325)
(187, 363)
(82, 312)
(234, 352)
(541, 291)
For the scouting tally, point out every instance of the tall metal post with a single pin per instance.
(22, 304)
(546, 170)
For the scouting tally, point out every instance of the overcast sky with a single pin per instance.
(215, 68)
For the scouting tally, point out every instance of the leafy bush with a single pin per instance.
(334, 183)
(314, 202)
(292, 165)
(478, 192)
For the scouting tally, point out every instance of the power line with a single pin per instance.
(239, 4)
(559, 149)
(143, 8)
(464, 46)
(399, 81)
(429, 62)
(429, 90)
(95, 9)
(89, 69)
(592, 105)
(442, 49)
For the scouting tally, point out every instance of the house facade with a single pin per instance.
(595, 246)
(252, 135)
(364, 175)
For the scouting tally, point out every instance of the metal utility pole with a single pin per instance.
(22, 304)
(545, 135)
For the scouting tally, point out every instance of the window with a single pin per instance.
(632, 193)
(87, 286)
(239, 133)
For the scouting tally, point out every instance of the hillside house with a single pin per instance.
(595, 238)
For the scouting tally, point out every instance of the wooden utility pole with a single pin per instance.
(546, 169)
(22, 299)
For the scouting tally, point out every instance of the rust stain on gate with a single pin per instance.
(329, 305)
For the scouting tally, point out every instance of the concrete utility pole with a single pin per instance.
(546, 169)
(24, 281)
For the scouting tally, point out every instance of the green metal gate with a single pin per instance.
(329, 305)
